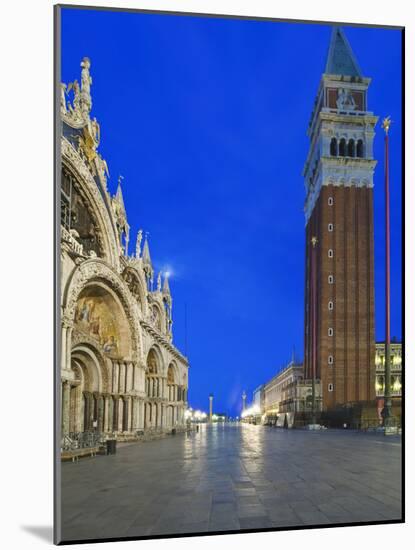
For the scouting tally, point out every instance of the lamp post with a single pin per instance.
(314, 242)
(388, 420)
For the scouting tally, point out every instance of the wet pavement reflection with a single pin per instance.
(230, 477)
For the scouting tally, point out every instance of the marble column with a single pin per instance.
(136, 384)
(106, 413)
(68, 347)
(122, 378)
(63, 348)
(100, 415)
(141, 414)
(65, 406)
(110, 413)
(120, 414)
(126, 414)
(130, 377)
(134, 412)
(116, 409)
(115, 372)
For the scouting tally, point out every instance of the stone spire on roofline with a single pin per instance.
(166, 286)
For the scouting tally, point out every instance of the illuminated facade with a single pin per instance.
(288, 394)
(121, 375)
(396, 369)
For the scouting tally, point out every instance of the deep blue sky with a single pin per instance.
(206, 120)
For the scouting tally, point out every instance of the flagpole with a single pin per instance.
(314, 327)
(388, 420)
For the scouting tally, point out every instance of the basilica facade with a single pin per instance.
(121, 374)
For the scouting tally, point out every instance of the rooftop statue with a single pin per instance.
(86, 81)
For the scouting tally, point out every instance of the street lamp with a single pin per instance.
(388, 420)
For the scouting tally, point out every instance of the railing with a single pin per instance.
(393, 393)
(81, 440)
(354, 112)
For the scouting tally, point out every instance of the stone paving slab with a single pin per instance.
(232, 477)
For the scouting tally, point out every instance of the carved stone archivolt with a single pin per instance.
(75, 162)
(96, 270)
(78, 340)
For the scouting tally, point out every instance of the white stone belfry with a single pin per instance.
(341, 129)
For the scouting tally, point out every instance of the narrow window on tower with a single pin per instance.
(331, 306)
(330, 201)
(331, 253)
(350, 148)
(331, 279)
(333, 147)
(359, 149)
(330, 227)
(331, 387)
(330, 360)
(342, 148)
(330, 332)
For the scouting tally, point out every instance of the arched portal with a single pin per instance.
(100, 394)
(155, 389)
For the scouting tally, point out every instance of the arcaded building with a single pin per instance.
(339, 283)
(120, 371)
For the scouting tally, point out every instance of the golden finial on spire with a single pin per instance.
(386, 122)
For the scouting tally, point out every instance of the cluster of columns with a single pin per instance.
(121, 411)
(160, 415)
(101, 412)
(165, 403)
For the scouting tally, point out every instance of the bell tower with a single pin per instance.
(339, 288)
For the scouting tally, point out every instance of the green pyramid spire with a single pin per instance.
(340, 59)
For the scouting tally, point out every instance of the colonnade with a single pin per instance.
(101, 412)
(165, 402)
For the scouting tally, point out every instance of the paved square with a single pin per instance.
(230, 477)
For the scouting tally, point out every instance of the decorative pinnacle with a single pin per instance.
(314, 241)
(386, 122)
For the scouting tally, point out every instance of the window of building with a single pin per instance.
(330, 360)
(359, 149)
(350, 148)
(333, 147)
(342, 148)
(330, 201)
(331, 279)
(330, 227)
(330, 387)
(330, 253)
(330, 332)
(331, 305)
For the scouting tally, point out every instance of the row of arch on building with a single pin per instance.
(343, 148)
(105, 396)
(105, 386)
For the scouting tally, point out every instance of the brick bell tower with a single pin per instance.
(339, 286)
